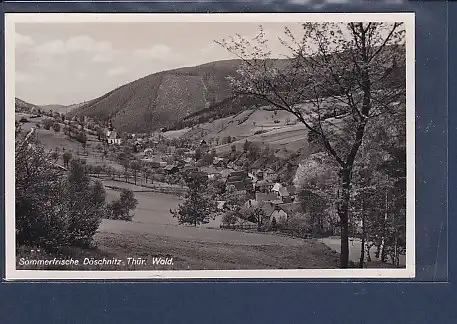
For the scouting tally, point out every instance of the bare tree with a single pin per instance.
(336, 78)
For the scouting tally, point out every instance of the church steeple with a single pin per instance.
(110, 126)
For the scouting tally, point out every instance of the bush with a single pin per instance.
(81, 137)
(260, 132)
(23, 120)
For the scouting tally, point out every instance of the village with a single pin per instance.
(154, 162)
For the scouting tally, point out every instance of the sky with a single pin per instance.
(67, 63)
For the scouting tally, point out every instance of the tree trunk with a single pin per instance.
(369, 246)
(343, 213)
(362, 248)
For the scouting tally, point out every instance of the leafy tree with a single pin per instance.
(229, 218)
(196, 208)
(47, 123)
(86, 205)
(198, 154)
(207, 159)
(348, 70)
(53, 211)
(315, 206)
(234, 199)
(56, 127)
(37, 189)
(246, 145)
(274, 224)
(55, 155)
(81, 137)
(100, 134)
(255, 215)
(136, 167)
(120, 209)
(66, 157)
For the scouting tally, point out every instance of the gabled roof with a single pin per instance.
(226, 172)
(283, 192)
(263, 183)
(240, 185)
(239, 174)
(292, 208)
(221, 204)
(292, 190)
(251, 203)
(278, 214)
(268, 208)
(261, 197)
(277, 186)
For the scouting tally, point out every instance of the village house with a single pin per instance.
(292, 209)
(282, 193)
(243, 185)
(204, 146)
(111, 137)
(237, 176)
(270, 175)
(171, 169)
(152, 161)
(225, 173)
(240, 181)
(221, 205)
(188, 161)
(269, 197)
(149, 152)
(219, 162)
(263, 186)
(214, 176)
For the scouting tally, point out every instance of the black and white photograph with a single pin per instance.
(199, 146)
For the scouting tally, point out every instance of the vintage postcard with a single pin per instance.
(202, 146)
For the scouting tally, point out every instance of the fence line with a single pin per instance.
(239, 227)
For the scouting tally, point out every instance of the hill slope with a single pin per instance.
(161, 99)
(24, 107)
(62, 109)
(186, 97)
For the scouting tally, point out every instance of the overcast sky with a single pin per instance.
(66, 63)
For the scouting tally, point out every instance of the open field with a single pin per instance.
(152, 208)
(219, 254)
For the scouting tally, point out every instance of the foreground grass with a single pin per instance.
(187, 255)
